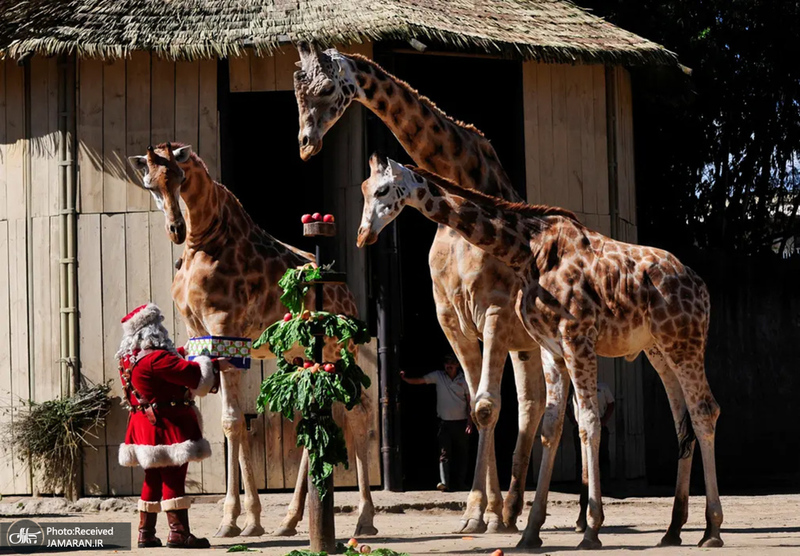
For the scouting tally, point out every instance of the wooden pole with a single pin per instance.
(321, 529)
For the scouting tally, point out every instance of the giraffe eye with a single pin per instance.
(382, 191)
(327, 91)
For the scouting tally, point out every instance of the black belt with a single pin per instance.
(162, 405)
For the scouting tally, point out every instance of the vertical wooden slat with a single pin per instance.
(187, 102)
(600, 137)
(544, 111)
(52, 135)
(251, 385)
(15, 143)
(115, 195)
(208, 136)
(589, 165)
(55, 303)
(137, 259)
(273, 439)
(39, 151)
(137, 118)
(531, 98)
(18, 313)
(3, 144)
(114, 306)
(368, 361)
(262, 73)
(575, 179)
(162, 103)
(239, 69)
(90, 305)
(291, 453)
(213, 468)
(625, 151)
(285, 68)
(46, 383)
(161, 269)
(7, 459)
(90, 135)
(560, 188)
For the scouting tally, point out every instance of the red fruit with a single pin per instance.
(329, 367)
(365, 549)
(497, 552)
(352, 542)
(327, 218)
(316, 217)
(297, 361)
(308, 365)
(306, 218)
(287, 317)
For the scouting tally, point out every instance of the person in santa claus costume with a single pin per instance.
(164, 429)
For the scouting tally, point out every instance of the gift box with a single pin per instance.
(236, 350)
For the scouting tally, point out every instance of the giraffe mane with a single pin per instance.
(422, 98)
(482, 198)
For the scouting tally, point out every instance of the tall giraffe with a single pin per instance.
(227, 285)
(474, 293)
(582, 295)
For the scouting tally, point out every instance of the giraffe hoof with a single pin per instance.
(228, 530)
(670, 539)
(497, 526)
(472, 526)
(711, 542)
(285, 531)
(590, 544)
(252, 530)
(530, 542)
(365, 530)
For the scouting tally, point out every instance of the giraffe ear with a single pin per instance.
(139, 163)
(182, 154)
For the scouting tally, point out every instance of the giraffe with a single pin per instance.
(582, 295)
(473, 292)
(227, 285)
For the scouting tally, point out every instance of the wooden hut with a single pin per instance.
(84, 84)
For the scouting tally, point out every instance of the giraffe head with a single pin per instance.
(386, 192)
(324, 88)
(163, 178)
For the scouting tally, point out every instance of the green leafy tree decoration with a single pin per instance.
(311, 388)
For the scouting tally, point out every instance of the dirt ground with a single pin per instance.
(422, 523)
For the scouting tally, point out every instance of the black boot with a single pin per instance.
(147, 530)
(179, 535)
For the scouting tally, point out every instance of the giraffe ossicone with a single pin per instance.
(582, 295)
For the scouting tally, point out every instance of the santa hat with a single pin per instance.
(141, 317)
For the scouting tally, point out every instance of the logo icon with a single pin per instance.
(25, 533)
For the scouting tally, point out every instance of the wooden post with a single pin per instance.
(321, 529)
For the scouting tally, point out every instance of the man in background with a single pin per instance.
(455, 424)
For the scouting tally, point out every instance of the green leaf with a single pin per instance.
(241, 548)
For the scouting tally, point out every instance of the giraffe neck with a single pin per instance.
(204, 198)
(499, 231)
(434, 141)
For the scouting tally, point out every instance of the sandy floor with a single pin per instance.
(753, 525)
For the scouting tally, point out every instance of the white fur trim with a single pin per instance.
(151, 314)
(149, 507)
(207, 376)
(166, 455)
(179, 503)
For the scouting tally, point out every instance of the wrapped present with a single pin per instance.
(236, 350)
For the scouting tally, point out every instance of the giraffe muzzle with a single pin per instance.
(309, 147)
(365, 237)
(177, 232)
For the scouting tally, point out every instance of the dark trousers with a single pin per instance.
(453, 453)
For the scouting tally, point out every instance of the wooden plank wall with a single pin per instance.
(124, 255)
(566, 157)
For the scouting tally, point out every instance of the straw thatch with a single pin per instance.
(548, 30)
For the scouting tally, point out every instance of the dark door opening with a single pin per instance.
(488, 94)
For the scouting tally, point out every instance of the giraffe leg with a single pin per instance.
(704, 412)
(486, 404)
(582, 364)
(252, 503)
(232, 422)
(580, 523)
(359, 420)
(686, 442)
(288, 527)
(557, 386)
(530, 398)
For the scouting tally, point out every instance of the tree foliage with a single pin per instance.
(717, 151)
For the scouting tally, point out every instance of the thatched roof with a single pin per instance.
(550, 30)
